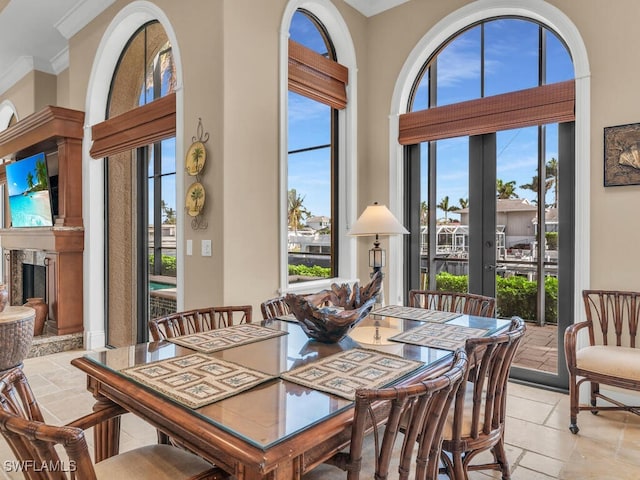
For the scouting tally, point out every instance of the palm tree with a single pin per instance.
(533, 186)
(170, 215)
(506, 190)
(464, 203)
(296, 210)
(446, 208)
(196, 156)
(424, 213)
(196, 195)
(30, 180)
(552, 178)
(41, 175)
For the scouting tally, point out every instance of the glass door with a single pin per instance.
(490, 224)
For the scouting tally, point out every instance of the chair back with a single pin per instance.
(198, 320)
(274, 307)
(466, 303)
(33, 442)
(419, 408)
(480, 405)
(613, 317)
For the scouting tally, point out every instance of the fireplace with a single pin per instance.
(34, 281)
(27, 271)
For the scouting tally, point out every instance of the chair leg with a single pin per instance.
(459, 472)
(595, 390)
(500, 456)
(574, 393)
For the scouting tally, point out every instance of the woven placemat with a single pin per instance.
(197, 380)
(414, 313)
(345, 372)
(222, 338)
(438, 335)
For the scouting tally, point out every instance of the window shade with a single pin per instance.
(554, 103)
(317, 77)
(141, 126)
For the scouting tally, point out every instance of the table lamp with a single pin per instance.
(377, 220)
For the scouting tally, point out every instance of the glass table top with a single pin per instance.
(278, 409)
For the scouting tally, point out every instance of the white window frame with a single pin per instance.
(339, 34)
(552, 18)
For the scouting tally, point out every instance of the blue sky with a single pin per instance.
(511, 64)
(17, 173)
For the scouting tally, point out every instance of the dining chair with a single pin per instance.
(466, 303)
(35, 444)
(198, 320)
(611, 355)
(421, 406)
(476, 420)
(274, 307)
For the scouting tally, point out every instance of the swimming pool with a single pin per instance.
(159, 285)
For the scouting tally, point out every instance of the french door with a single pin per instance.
(493, 214)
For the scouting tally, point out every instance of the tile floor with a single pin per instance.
(539, 444)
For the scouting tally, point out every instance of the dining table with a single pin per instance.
(274, 427)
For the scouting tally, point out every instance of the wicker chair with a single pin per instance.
(476, 421)
(423, 406)
(198, 320)
(33, 442)
(612, 356)
(274, 307)
(467, 303)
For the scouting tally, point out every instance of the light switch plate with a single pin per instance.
(206, 248)
(189, 247)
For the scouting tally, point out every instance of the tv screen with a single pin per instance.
(29, 196)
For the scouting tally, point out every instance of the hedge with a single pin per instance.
(168, 265)
(514, 295)
(314, 271)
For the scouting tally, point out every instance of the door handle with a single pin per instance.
(489, 267)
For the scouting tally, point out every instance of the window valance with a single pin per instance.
(141, 126)
(317, 77)
(554, 103)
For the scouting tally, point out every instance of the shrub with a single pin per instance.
(552, 240)
(452, 283)
(313, 271)
(514, 295)
(168, 265)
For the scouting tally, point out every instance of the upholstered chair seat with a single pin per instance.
(609, 360)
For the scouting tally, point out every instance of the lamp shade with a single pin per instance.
(377, 220)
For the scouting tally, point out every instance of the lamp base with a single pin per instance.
(379, 303)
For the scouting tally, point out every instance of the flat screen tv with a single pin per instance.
(29, 195)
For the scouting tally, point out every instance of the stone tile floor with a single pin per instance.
(538, 349)
(539, 444)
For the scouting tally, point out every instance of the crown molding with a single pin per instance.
(369, 8)
(80, 15)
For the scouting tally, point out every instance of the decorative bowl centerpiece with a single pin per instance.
(328, 316)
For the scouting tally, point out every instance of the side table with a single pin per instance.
(16, 335)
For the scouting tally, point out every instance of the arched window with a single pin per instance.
(140, 175)
(489, 170)
(316, 93)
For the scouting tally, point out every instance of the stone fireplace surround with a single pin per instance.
(16, 260)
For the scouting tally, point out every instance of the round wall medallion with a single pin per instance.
(195, 199)
(196, 156)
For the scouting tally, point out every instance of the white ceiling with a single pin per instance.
(34, 34)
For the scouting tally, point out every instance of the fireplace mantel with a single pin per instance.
(55, 239)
